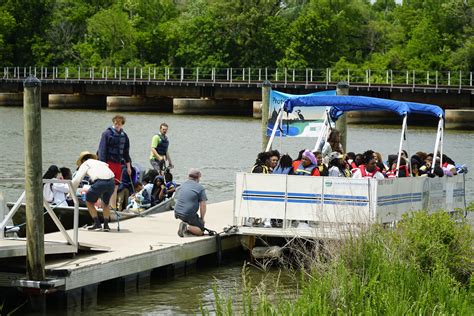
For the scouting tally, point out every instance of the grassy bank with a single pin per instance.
(423, 266)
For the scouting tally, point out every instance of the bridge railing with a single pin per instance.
(368, 77)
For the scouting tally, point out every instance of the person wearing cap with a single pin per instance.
(308, 165)
(159, 150)
(102, 187)
(337, 167)
(191, 198)
(114, 147)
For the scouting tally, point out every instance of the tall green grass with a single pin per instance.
(423, 266)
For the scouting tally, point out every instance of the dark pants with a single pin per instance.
(192, 220)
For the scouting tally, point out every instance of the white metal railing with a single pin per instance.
(367, 77)
(73, 241)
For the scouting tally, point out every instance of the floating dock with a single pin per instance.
(142, 245)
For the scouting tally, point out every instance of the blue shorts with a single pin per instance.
(101, 189)
(191, 220)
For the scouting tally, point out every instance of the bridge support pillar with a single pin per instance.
(76, 101)
(139, 103)
(257, 109)
(212, 107)
(11, 99)
(460, 119)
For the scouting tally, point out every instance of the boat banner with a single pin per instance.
(303, 122)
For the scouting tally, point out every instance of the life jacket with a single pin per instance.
(162, 147)
(308, 171)
(405, 168)
(365, 174)
(265, 169)
(115, 145)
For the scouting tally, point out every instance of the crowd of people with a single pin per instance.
(333, 162)
(108, 179)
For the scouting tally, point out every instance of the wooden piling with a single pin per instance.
(35, 261)
(266, 88)
(342, 88)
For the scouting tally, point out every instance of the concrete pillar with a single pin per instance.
(212, 107)
(139, 103)
(76, 101)
(460, 119)
(11, 99)
(257, 109)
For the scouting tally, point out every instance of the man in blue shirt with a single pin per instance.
(191, 198)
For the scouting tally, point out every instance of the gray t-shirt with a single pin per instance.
(188, 196)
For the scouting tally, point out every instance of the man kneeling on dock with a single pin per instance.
(190, 198)
(102, 187)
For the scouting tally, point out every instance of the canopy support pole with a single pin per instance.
(441, 142)
(275, 126)
(322, 133)
(438, 141)
(399, 158)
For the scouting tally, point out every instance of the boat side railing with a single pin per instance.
(333, 200)
(73, 241)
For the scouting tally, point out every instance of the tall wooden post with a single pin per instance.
(266, 87)
(342, 88)
(33, 179)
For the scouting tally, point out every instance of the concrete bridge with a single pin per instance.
(225, 91)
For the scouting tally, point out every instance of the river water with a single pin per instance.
(219, 146)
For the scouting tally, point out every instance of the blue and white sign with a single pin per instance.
(303, 122)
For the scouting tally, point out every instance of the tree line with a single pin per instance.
(341, 34)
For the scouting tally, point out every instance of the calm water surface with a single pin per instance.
(219, 146)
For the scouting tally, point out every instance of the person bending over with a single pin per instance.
(191, 198)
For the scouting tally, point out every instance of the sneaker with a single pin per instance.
(106, 227)
(182, 229)
(95, 227)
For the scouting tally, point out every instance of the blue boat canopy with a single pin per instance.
(340, 104)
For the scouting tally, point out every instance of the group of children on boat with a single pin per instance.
(331, 161)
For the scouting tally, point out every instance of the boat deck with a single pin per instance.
(142, 244)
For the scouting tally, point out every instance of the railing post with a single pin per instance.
(34, 69)
(306, 76)
(243, 74)
(24, 72)
(311, 75)
(141, 73)
(249, 75)
(413, 86)
(391, 78)
(436, 79)
(167, 71)
(330, 75)
(54, 73)
(327, 77)
(197, 74)
(103, 73)
(79, 73)
(259, 74)
(115, 72)
(66, 73)
(470, 79)
(460, 80)
(428, 78)
(407, 81)
(182, 74)
(120, 73)
(45, 72)
(92, 73)
(276, 74)
(449, 78)
(386, 77)
(134, 73)
(286, 75)
(368, 76)
(106, 72)
(231, 75)
(213, 74)
(293, 74)
(266, 74)
(149, 74)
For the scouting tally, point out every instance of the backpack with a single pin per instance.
(48, 192)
